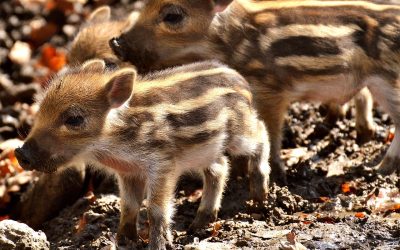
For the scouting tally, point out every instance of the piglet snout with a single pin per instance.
(116, 45)
(23, 158)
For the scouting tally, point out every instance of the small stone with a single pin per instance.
(205, 245)
(20, 53)
(15, 235)
(69, 30)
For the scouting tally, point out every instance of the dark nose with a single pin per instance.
(22, 158)
(116, 44)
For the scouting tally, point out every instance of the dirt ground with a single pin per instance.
(334, 200)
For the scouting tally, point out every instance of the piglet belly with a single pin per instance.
(118, 165)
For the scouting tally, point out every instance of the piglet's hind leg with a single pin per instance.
(214, 179)
(387, 93)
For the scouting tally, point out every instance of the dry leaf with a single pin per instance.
(5, 217)
(324, 199)
(390, 136)
(14, 162)
(90, 197)
(385, 200)
(291, 243)
(294, 155)
(217, 226)
(52, 59)
(359, 214)
(345, 187)
(81, 224)
(336, 168)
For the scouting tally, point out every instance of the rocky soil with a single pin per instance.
(334, 200)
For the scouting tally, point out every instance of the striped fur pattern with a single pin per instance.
(92, 39)
(308, 50)
(149, 131)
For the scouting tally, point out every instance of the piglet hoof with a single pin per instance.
(389, 165)
(278, 173)
(258, 187)
(365, 134)
(161, 244)
(127, 233)
(335, 112)
(258, 194)
(202, 220)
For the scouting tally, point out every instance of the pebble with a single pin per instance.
(20, 53)
(15, 235)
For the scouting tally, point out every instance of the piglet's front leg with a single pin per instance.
(160, 209)
(132, 193)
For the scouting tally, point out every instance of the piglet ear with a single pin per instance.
(95, 65)
(119, 87)
(132, 19)
(100, 14)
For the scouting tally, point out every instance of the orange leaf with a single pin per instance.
(291, 237)
(394, 207)
(48, 52)
(91, 197)
(216, 228)
(5, 217)
(81, 224)
(50, 5)
(324, 198)
(56, 63)
(52, 59)
(14, 162)
(345, 187)
(389, 137)
(359, 214)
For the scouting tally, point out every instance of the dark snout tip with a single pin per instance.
(22, 158)
(116, 45)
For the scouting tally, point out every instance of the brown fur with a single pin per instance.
(92, 39)
(148, 131)
(323, 51)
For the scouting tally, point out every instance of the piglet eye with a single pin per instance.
(172, 14)
(74, 121)
(173, 18)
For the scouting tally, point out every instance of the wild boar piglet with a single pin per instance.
(148, 131)
(321, 51)
(91, 42)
